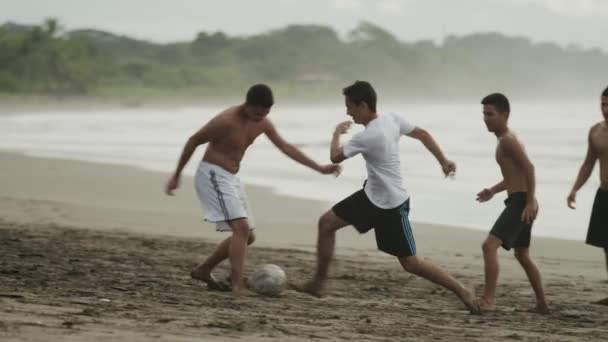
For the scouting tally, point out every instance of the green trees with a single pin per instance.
(297, 59)
(39, 60)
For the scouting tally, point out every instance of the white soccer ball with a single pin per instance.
(269, 280)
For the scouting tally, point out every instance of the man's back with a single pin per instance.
(513, 173)
(599, 141)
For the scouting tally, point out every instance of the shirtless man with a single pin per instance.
(597, 149)
(514, 225)
(222, 195)
(383, 204)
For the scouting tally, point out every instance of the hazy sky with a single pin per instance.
(581, 22)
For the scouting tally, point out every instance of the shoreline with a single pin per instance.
(92, 252)
(256, 188)
(126, 198)
(448, 203)
(14, 104)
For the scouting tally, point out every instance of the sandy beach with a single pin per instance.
(94, 252)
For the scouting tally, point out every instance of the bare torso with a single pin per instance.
(599, 142)
(237, 134)
(514, 176)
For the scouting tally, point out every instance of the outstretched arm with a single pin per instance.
(448, 166)
(295, 154)
(584, 173)
(212, 129)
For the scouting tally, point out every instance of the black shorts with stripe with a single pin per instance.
(509, 228)
(392, 226)
(597, 235)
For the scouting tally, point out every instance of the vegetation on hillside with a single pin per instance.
(298, 61)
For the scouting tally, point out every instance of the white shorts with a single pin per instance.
(222, 196)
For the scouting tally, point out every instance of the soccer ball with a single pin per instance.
(268, 280)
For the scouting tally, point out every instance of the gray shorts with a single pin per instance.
(509, 228)
(222, 195)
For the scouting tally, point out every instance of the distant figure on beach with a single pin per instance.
(514, 226)
(597, 148)
(383, 204)
(220, 191)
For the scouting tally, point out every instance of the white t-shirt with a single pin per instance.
(379, 145)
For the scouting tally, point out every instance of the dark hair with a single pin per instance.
(260, 95)
(605, 93)
(499, 101)
(361, 91)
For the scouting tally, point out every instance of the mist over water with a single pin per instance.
(555, 136)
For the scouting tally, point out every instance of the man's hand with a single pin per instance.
(485, 195)
(572, 200)
(448, 168)
(530, 212)
(172, 184)
(342, 127)
(329, 169)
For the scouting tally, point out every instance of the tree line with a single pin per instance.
(298, 59)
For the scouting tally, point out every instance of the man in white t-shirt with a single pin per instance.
(383, 204)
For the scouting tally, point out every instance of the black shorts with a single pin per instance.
(598, 226)
(392, 227)
(509, 228)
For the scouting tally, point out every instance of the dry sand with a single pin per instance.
(94, 252)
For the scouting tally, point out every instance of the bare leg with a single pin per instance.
(439, 276)
(203, 271)
(329, 223)
(490, 258)
(237, 253)
(523, 256)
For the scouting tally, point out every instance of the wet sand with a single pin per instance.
(92, 252)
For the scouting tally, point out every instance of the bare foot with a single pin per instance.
(541, 309)
(314, 288)
(468, 298)
(212, 283)
(486, 305)
(240, 291)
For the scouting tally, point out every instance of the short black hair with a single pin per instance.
(361, 91)
(260, 95)
(605, 93)
(499, 101)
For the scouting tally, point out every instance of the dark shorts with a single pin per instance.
(392, 227)
(598, 226)
(509, 228)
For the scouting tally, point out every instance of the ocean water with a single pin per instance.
(555, 136)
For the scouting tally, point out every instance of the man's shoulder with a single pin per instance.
(221, 122)
(509, 141)
(230, 111)
(508, 138)
(393, 116)
(227, 116)
(598, 127)
(400, 120)
(598, 135)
